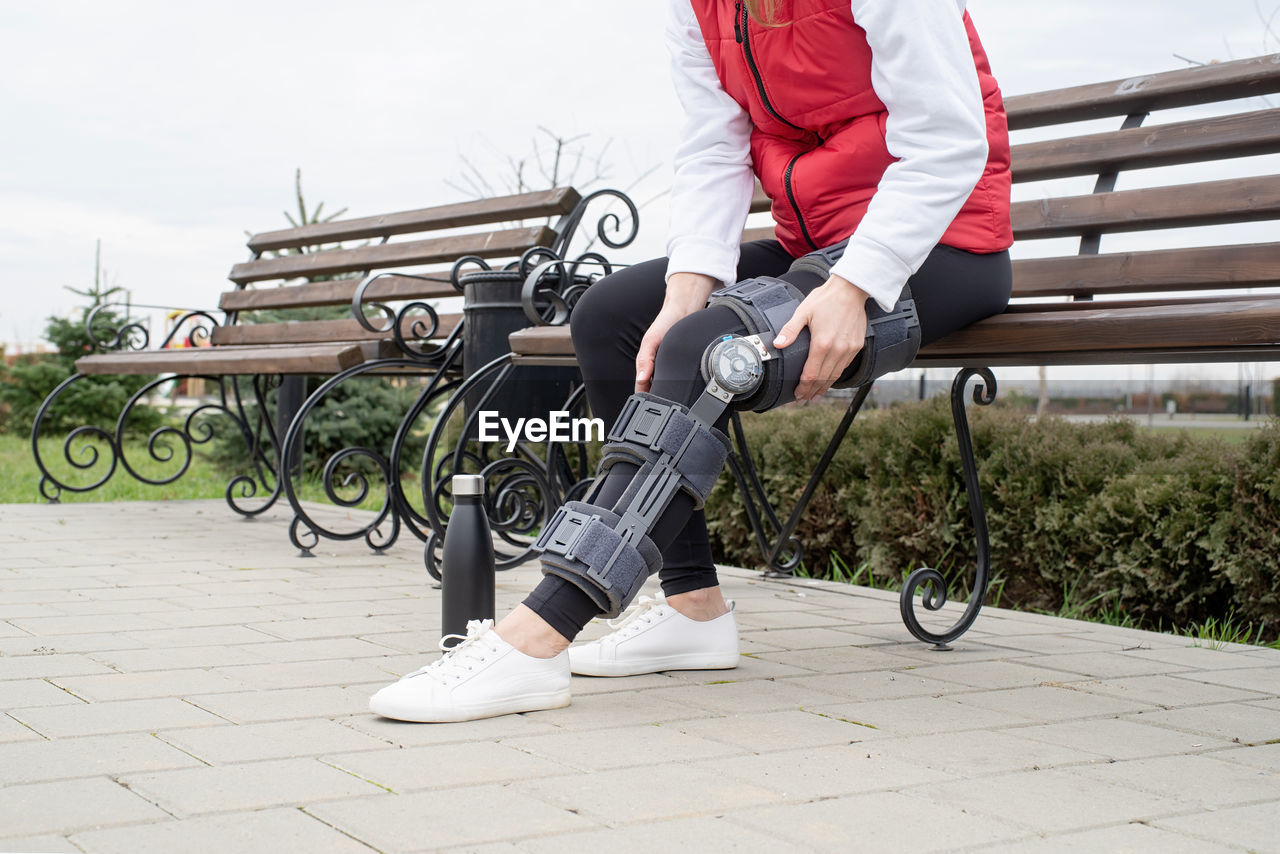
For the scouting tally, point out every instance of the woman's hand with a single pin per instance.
(836, 315)
(686, 293)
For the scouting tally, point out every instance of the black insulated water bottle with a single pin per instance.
(467, 574)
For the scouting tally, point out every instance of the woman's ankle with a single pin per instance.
(531, 634)
(706, 603)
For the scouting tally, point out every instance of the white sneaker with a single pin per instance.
(481, 677)
(657, 637)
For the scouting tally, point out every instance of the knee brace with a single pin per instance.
(607, 553)
(765, 304)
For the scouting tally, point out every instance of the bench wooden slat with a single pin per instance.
(407, 254)
(1183, 88)
(1201, 268)
(759, 201)
(1240, 135)
(1233, 323)
(287, 359)
(339, 292)
(560, 200)
(1209, 203)
(1099, 334)
(762, 233)
(1138, 302)
(315, 331)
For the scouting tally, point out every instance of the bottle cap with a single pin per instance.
(468, 484)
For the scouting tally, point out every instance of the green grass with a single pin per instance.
(1103, 608)
(20, 479)
(1215, 633)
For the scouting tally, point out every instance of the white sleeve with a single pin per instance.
(922, 68)
(713, 185)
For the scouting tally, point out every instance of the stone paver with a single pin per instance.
(68, 805)
(274, 829)
(246, 786)
(1252, 827)
(428, 821)
(89, 756)
(887, 822)
(191, 684)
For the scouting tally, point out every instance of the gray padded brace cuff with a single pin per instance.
(820, 261)
(893, 339)
(580, 545)
(651, 426)
(764, 305)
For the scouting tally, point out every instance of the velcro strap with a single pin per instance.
(584, 548)
(649, 426)
(892, 341)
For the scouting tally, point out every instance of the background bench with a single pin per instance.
(285, 318)
(1176, 303)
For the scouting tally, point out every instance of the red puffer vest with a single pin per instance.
(818, 144)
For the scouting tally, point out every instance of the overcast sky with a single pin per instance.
(168, 129)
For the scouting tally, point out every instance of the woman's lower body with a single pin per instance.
(523, 664)
(952, 289)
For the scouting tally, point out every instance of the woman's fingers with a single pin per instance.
(644, 363)
(648, 352)
(793, 327)
(827, 361)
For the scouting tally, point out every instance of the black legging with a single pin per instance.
(952, 289)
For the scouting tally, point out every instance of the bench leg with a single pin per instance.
(259, 437)
(85, 457)
(305, 531)
(96, 451)
(523, 488)
(934, 592)
(781, 550)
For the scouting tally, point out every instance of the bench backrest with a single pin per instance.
(427, 241)
(1253, 129)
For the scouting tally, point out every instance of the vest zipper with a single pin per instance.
(742, 33)
(795, 206)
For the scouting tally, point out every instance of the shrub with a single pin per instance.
(1166, 528)
(1246, 540)
(95, 400)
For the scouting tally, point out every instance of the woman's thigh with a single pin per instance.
(952, 289)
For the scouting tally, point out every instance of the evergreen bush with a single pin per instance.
(1166, 528)
(95, 400)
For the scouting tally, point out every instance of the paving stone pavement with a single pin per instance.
(175, 678)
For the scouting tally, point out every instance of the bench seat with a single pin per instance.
(1062, 334)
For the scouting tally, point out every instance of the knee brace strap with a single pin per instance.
(650, 426)
(893, 337)
(582, 545)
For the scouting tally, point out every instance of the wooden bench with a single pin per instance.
(291, 273)
(1174, 303)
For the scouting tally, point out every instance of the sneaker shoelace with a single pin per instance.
(473, 648)
(647, 609)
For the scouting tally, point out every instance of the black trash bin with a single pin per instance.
(492, 307)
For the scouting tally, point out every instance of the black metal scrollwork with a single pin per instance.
(99, 452)
(522, 489)
(567, 228)
(928, 581)
(552, 288)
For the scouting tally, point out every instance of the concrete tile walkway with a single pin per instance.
(175, 679)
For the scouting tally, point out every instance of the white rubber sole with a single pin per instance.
(475, 711)
(686, 661)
